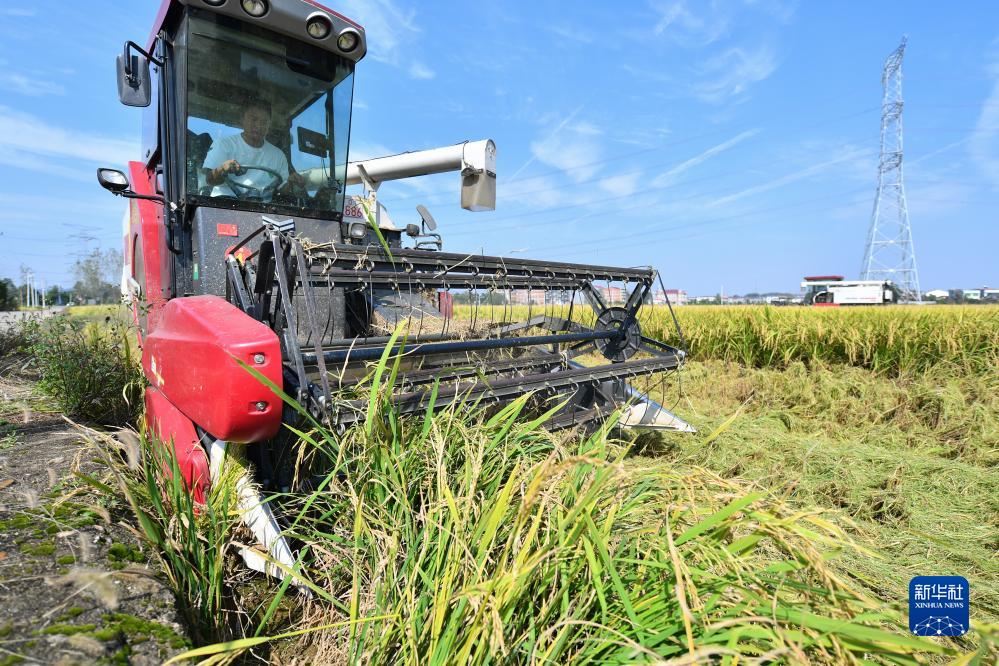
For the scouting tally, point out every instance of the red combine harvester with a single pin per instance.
(242, 245)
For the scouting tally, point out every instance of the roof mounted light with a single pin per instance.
(318, 26)
(255, 8)
(348, 40)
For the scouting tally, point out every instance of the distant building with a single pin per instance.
(612, 295)
(675, 296)
(937, 294)
(526, 296)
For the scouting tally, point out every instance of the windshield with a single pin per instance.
(268, 119)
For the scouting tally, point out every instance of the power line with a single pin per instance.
(609, 241)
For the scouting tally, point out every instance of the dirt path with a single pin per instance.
(75, 587)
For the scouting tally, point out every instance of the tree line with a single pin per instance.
(96, 281)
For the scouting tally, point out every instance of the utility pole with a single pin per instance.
(889, 254)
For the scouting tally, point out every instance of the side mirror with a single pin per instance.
(134, 87)
(427, 218)
(116, 182)
(112, 180)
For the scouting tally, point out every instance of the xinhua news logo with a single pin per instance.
(938, 605)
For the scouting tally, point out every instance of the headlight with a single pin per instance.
(255, 8)
(348, 40)
(358, 229)
(319, 27)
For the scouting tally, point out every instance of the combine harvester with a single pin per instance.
(241, 245)
(834, 291)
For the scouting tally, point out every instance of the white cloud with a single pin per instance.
(29, 142)
(47, 209)
(387, 27)
(558, 128)
(536, 193)
(31, 86)
(17, 11)
(573, 154)
(787, 178)
(984, 146)
(418, 70)
(730, 73)
(583, 127)
(622, 185)
(668, 176)
(682, 26)
(363, 150)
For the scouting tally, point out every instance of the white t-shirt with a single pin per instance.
(235, 148)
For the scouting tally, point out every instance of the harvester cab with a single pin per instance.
(244, 252)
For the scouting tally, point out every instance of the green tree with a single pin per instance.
(8, 294)
(97, 276)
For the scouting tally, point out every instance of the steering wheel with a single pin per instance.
(254, 193)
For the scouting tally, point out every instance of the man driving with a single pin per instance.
(246, 165)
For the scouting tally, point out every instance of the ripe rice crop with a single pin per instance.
(469, 536)
(884, 339)
(889, 339)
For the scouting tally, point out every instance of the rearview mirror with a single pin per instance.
(112, 180)
(134, 88)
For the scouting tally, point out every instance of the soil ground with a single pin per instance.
(75, 584)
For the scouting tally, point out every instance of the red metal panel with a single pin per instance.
(445, 303)
(822, 278)
(149, 227)
(169, 426)
(190, 358)
(158, 22)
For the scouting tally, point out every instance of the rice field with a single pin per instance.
(890, 339)
(840, 452)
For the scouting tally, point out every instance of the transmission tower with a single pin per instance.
(889, 254)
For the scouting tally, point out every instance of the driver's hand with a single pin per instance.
(232, 166)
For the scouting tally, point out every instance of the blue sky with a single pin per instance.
(730, 144)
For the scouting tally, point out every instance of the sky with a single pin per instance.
(732, 145)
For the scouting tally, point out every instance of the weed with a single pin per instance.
(67, 629)
(91, 371)
(71, 612)
(39, 549)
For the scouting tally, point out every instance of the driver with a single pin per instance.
(228, 155)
